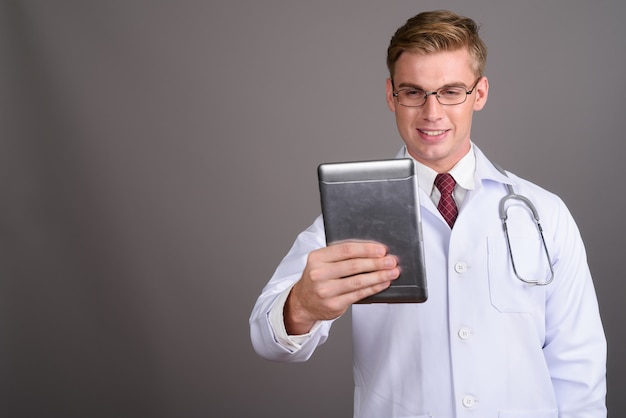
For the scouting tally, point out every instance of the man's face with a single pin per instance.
(436, 135)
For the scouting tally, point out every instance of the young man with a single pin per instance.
(485, 343)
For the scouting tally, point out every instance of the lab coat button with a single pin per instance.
(469, 401)
(465, 333)
(460, 267)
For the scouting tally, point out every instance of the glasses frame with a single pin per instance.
(435, 93)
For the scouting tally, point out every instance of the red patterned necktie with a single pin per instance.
(445, 183)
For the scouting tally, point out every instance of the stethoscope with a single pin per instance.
(504, 216)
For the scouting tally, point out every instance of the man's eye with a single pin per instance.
(453, 92)
(413, 93)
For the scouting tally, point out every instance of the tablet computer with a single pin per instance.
(378, 201)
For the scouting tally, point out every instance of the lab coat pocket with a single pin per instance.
(543, 413)
(508, 293)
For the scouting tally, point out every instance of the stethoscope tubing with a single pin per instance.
(511, 195)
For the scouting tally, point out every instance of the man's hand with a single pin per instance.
(334, 278)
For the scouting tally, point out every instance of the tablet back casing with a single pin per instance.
(378, 201)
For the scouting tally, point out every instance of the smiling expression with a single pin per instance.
(436, 135)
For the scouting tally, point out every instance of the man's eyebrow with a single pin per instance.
(417, 86)
(410, 85)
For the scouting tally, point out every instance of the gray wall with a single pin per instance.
(157, 159)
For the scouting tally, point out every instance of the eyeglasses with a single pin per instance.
(447, 96)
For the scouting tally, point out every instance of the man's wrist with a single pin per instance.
(295, 322)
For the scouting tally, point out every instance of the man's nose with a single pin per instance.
(432, 109)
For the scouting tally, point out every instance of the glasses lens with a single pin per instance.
(451, 95)
(411, 97)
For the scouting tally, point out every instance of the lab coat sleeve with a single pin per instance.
(575, 345)
(263, 337)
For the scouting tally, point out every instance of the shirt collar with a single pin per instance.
(463, 171)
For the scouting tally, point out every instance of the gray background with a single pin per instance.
(157, 159)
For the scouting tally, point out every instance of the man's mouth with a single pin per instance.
(433, 133)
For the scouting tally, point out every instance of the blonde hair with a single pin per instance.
(437, 31)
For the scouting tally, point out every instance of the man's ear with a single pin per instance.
(482, 92)
(391, 103)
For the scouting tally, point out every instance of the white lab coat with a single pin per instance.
(484, 344)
